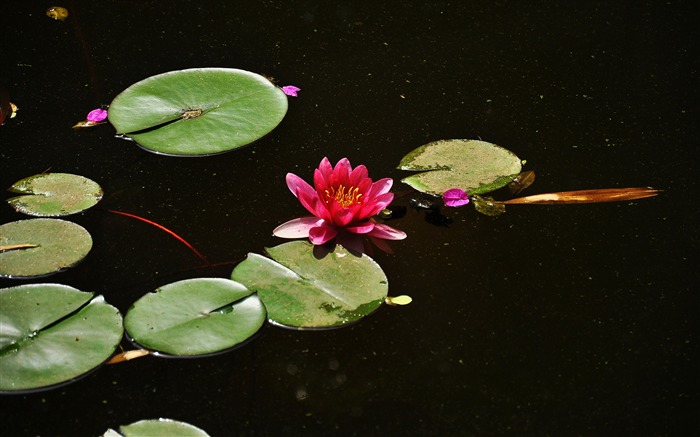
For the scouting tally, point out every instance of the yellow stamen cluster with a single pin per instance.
(345, 197)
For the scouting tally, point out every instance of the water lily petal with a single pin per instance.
(376, 204)
(297, 228)
(296, 184)
(341, 216)
(361, 228)
(322, 233)
(357, 175)
(341, 173)
(455, 197)
(387, 232)
(381, 186)
(326, 169)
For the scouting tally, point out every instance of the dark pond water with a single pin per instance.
(549, 320)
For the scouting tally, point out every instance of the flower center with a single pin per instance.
(346, 197)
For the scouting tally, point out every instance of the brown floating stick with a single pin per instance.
(585, 196)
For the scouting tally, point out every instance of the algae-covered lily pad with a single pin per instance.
(475, 166)
(38, 247)
(53, 333)
(300, 290)
(54, 194)
(195, 317)
(157, 428)
(199, 111)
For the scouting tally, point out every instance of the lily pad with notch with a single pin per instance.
(54, 194)
(40, 247)
(198, 316)
(475, 166)
(301, 291)
(201, 111)
(53, 334)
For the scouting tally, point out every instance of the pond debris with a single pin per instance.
(162, 228)
(455, 197)
(290, 90)
(7, 108)
(17, 247)
(585, 196)
(398, 300)
(128, 355)
(521, 181)
(489, 206)
(57, 13)
(95, 117)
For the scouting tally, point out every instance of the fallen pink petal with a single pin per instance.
(290, 90)
(343, 201)
(455, 197)
(96, 115)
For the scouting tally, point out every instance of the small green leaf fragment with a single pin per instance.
(487, 206)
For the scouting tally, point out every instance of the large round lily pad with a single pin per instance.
(475, 166)
(300, 290)
(53, 333)
(157, 428)
(195, 317)
(200, 111)
(38, 247)
(54, 194)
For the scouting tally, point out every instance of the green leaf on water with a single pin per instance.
(201, 111)
(157, 428)
(53, 333)
(476, 167)
(302, 290)
(54, 194)
(195, 317)
(39, 247)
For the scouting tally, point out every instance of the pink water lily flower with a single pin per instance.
(343, 200)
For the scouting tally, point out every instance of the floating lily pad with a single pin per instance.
(39, 247)
(302, 291)
(157, 428)
(54, 194)
(53, 333)
(200, 111)
(195, 317)
(476, 167)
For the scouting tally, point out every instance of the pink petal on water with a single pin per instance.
(97, 115)
(455, 197)
(290, 90)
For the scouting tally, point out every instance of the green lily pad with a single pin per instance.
(54, 194)
(476, 167)
(157, 428)
(302, 291)
(39, 247)
(195, 317)
(200, 111)
(53, 333)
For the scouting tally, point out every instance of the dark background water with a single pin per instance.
(548, 320)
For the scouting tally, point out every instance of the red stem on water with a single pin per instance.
(162, 228)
